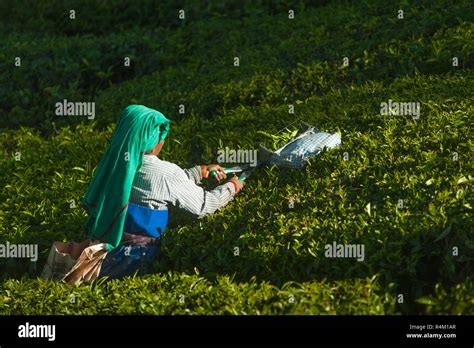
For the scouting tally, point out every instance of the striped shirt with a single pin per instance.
(158, 184)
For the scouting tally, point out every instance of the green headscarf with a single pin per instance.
(138, 130)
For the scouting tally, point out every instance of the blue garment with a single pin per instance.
(126, 260)
(137, 254)
(145, 221)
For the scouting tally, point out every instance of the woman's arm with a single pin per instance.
(194, 199)
(197, 173)
(194, 174)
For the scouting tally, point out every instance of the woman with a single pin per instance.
(132, 188)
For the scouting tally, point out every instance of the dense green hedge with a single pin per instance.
(73, 68)
(408, 250)
(191, 294)
(80, 67)
(99, 16)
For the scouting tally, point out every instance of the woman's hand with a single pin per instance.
(238, 184)
(207, 169)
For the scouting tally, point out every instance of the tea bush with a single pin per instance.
(162, 294)
(408, 249)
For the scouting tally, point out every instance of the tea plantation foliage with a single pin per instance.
(422, 249)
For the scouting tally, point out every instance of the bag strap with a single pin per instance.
(113, 222)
